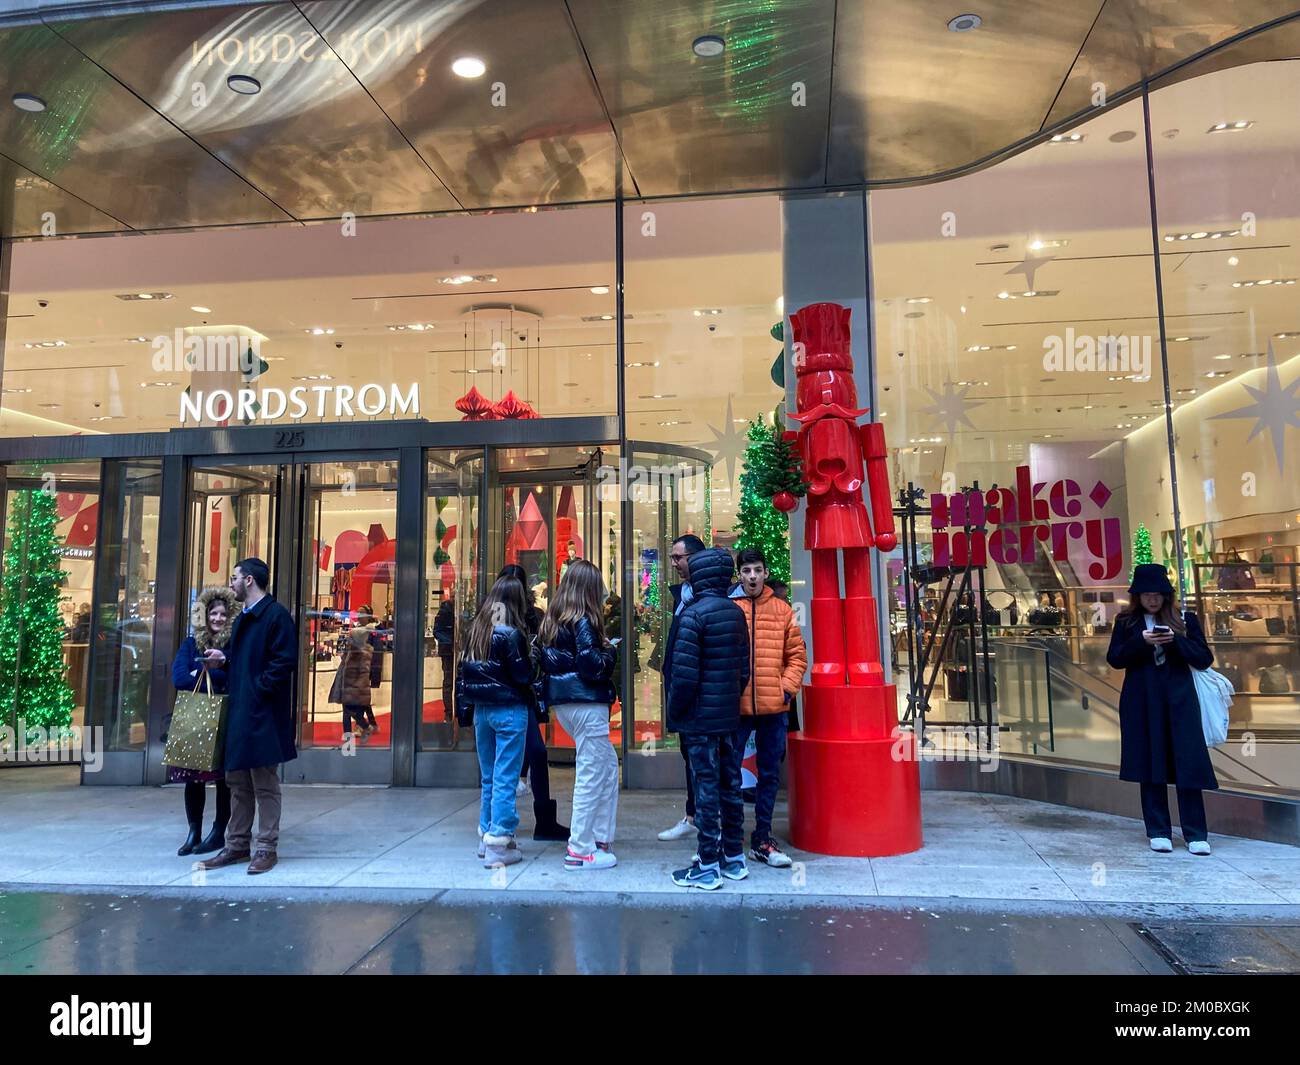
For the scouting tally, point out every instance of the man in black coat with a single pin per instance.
(706, 666)
(260, 663)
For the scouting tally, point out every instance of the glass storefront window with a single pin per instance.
(122, 654)
(50, 516)
(1231, 272)
(431, 318)
(452, 579)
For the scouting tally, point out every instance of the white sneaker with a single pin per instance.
(597, 859)
(1199, 846)
(521, 788)
(682, 829)
(1161, 844)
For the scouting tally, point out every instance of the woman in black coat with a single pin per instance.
(213, 615)
(1161, 739)
(547, 827)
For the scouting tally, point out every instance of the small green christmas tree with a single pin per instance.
(772, 465)
(32, 684)
(1141, 546)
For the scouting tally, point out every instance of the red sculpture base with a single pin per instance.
(855, 786)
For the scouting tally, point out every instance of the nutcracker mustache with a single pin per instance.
(70, 744)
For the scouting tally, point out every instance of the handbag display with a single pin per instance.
(1235, 575)
(196, 738)
(1214, 693)
(1273, 680)
(1253, 627)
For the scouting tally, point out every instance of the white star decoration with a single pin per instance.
(728, 445)
(1275, 408)
(951, 407)
(1030, 267)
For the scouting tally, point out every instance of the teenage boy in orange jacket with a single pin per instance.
(777, 661)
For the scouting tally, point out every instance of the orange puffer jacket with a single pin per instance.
(777, 658)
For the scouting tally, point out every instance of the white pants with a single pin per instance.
(595, 783)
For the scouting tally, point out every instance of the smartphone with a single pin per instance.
(614, 641)
(1163, 630)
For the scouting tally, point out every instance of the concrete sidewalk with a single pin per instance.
(358, 840)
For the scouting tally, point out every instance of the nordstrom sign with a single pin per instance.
(322, 401)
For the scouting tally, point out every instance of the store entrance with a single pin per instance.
(549, 507)
(327, 529)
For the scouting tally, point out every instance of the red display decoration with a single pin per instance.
(854, 774)
(511, 406)
(475, 406)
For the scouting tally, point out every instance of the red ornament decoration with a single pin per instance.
(511, 406)
(784, 502)
(475, 406)
(854, 782)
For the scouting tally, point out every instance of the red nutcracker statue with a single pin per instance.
(854, 780)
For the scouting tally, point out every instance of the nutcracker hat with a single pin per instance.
(1150, 577)
(199, 617)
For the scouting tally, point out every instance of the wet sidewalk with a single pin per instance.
(357, 842)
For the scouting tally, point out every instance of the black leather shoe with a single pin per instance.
(192, 840)
(213, 841)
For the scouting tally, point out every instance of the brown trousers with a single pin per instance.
(252, 789)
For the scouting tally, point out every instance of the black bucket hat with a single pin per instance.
(1150, 577)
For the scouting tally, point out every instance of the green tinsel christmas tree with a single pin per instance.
(771, 466)
(32, 685)
(1141, 546)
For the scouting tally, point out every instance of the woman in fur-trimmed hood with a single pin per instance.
(212, 619)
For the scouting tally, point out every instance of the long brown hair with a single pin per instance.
(1166, 615)
(504, 605)
(579, 596)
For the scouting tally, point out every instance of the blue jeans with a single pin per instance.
(719, 810)
(499, 733)
(770, 745)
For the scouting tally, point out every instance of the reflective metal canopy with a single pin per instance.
(353, 105)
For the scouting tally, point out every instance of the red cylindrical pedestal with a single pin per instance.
(854, 782)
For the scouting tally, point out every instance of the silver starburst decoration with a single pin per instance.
(1275, 408)
(951, 408)
(1030, 267)
(728, 445)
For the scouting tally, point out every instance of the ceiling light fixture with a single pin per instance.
(1202, 234)
(128, 296)
(1120, 136)
(707, 312)
(201, 310)
(1264, 281)
(1043, 245)
(1068, 138)
(709, 46)
(965, 23)
(243, 84)
(47, 344)
(318, 331)
(1231, 127)
(600, 290)
(918, 299)
(468, 66)
(26, 101)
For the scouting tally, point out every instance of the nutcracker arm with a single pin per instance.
(872, 436)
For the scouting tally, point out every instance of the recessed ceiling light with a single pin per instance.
(201, 310)
(157, 384)
(1218, 373)
(918, 299)
(914, 314)
(128, 296)
(243, 84)
(999, 247)
(14, 391)
(468, 66)
(1262, 282)
(1068, 138)
(600, 290)
(315, 377)
(662, 395)
(1220, 358)
(963, 23)
(1202, 234)
(26, 101)
(708, 46)
(706, 312)
(1231, 127)
(47, 344)
(1285, 336)
(319, 331)
(50, 406)
(465, 279)
(1042, 245)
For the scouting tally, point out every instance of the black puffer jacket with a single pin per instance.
(578, 667)
(709, 652)
(504, 679)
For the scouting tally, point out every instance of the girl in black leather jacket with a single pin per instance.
(495, 678)
(577, 684)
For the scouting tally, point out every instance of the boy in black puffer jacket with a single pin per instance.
(709, 652)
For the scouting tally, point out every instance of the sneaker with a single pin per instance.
(734, 868)
(1199, 846)
(683, 828)
(597, 859)
(1161, 844)
(521, 788)
(699, 876)
(500, 850)
(770, 854)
